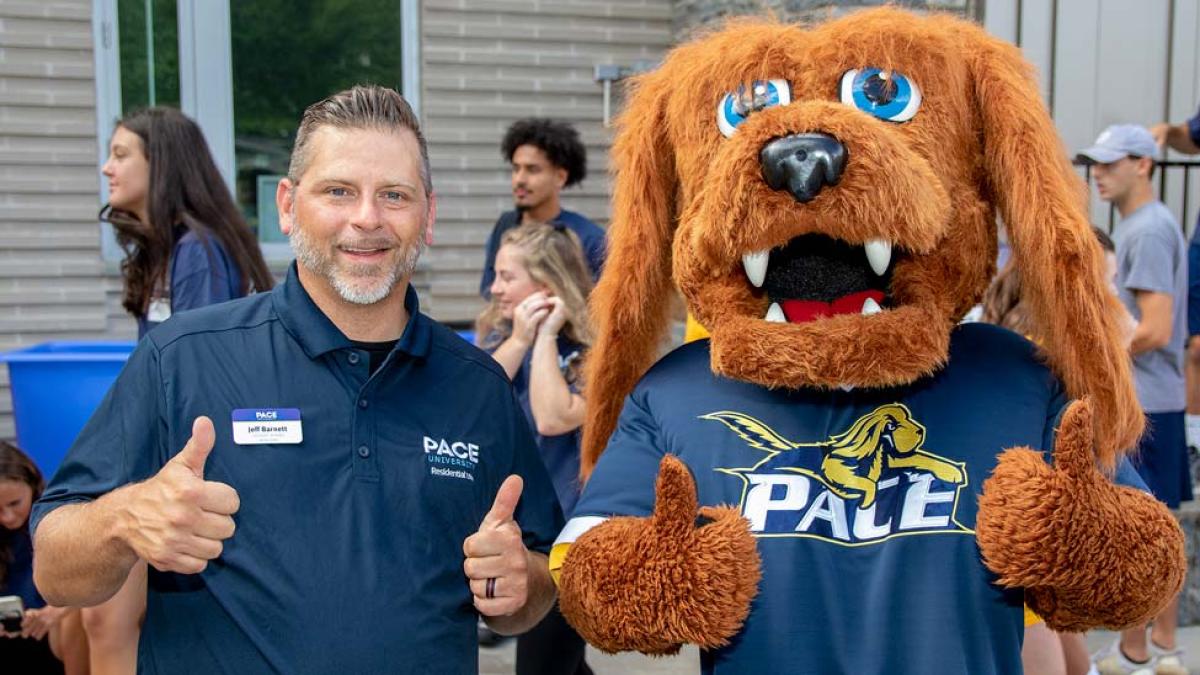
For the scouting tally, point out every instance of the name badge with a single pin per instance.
(267, 426)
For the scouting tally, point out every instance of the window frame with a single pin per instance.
(206, 89)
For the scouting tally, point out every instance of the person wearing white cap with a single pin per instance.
(1152, 283)
(1184, 137)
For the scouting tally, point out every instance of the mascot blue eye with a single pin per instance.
(735, 107)
(887, 95)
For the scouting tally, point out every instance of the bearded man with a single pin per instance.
(369, 459)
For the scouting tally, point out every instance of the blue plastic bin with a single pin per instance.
(56, 386)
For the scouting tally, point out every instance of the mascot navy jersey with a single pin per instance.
(863, 503)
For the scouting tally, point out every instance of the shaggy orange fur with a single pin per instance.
(653, 584)
(1117, 534)
(690, 202)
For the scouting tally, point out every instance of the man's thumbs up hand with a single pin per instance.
(497, 563)
(195, 453)
(505, 504)
(176, 520)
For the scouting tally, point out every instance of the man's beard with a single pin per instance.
(360, 284)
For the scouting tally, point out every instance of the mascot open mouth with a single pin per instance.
(814, 276)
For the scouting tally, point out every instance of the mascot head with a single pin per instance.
(826, 201)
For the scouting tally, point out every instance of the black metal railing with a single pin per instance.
(1160, 174)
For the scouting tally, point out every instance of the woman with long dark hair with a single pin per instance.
(46, 639)
(186, 245)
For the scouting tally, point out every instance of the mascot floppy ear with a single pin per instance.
(630, 304)
(1042, 202)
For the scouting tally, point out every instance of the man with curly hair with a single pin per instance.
(546, 156)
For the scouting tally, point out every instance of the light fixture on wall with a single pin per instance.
(607, 73)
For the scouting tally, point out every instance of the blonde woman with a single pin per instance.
(536, 327)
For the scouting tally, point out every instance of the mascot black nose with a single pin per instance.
(803, 164)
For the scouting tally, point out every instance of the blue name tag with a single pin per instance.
(265, 426)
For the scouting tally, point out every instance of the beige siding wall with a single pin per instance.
(484, 64)
(489, 62)
(52, 281)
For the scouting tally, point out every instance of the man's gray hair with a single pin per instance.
(360, 107)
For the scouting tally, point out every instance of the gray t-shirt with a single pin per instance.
(1152, 256)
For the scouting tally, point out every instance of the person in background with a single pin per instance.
(546, 156)
(1152, 283)
(1043, 651)
(50, 639)
(536, 327)
(1184, 137)
(186, 246)
(386, 487)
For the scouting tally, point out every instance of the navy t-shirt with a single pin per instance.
(591, 237)
(863, 503)
(559, 453)
(18, 579)
(1193, 314)
(348, 553)
(200, 273)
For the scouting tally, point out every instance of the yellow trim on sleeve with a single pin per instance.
(557, 555)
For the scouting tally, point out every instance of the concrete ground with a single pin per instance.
(499, 660)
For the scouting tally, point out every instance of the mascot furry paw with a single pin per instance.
(826, 202)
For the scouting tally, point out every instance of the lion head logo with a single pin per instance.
(851, 463)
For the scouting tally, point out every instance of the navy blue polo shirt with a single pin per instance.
(348, 552)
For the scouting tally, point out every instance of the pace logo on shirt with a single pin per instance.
(451, 459)
(868, 484)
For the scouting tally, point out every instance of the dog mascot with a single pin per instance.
(894, 485)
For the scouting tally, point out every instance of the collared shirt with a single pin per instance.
(591, 238)
(348, 551)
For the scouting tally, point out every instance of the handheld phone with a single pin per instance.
(12, 610)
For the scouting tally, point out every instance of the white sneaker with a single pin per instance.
(1112, 661)
(1167, 661)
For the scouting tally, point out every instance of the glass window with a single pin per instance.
(288, 54)
(149, 53)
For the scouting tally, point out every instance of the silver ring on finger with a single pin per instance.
(490, 590)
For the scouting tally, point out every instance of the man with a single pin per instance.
(1152, 283)
(546, 156)
(358, 447)
(1185, 137)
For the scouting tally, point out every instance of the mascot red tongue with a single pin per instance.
(865, 486)
(799, 311)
